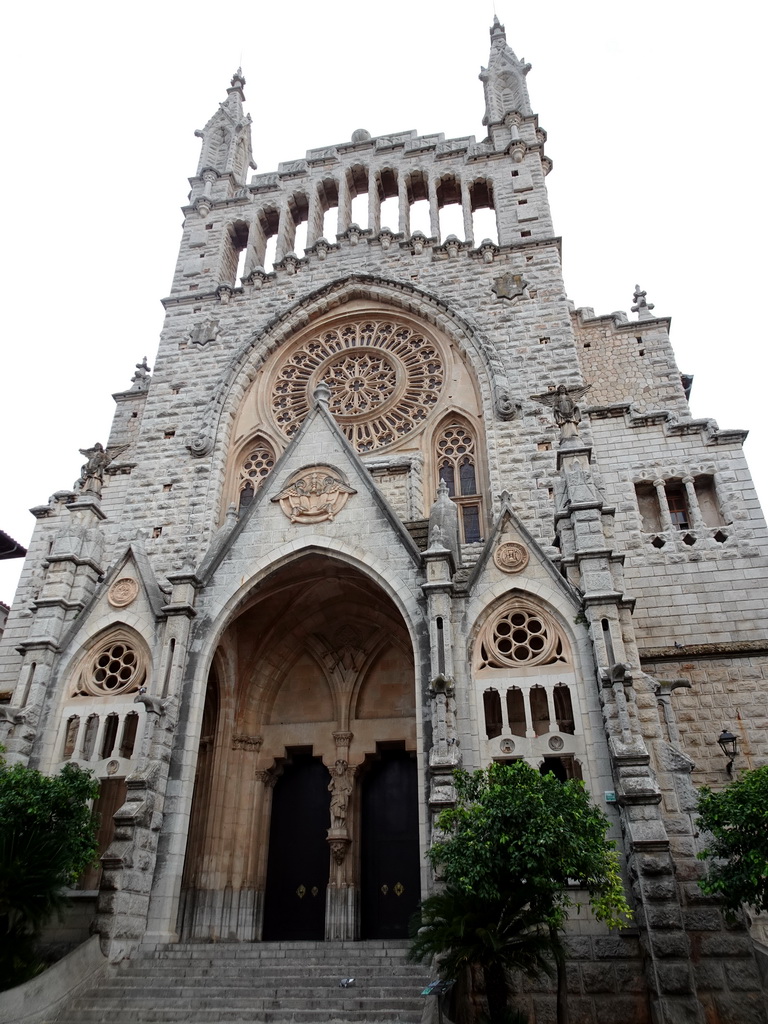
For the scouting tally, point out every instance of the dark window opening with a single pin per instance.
(109, 736)
(128, 739)
(564, 709)
(492, 708)
(563, 768)
(539, 710)
(678, 505)
(70, 738)
(516, 711)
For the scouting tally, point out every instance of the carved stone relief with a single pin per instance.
(123, 592)
(314, 495)
(511, 557)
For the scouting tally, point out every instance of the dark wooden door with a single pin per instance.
(390, 889)
(298, 864)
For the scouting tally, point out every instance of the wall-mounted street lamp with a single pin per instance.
(729, 744)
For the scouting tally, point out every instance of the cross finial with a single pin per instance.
(641, 307)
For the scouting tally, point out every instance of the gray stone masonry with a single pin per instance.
(627, 534)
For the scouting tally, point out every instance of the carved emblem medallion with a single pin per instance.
(509, 286)
(511, 557)
(314, 495)
(556, 743)
(123, 592)
(507, 746)
(204, 332)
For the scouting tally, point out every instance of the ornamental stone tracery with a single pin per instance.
(520, 635)
(385, 379)
(118, 666)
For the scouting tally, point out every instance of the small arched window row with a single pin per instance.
(529, 713)
(456, 459)
(100, 737)
(255, 467)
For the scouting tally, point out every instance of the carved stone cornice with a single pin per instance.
(250, 743)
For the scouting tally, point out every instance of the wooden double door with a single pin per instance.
(298, 867)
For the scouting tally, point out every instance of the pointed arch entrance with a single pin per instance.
(312, 688)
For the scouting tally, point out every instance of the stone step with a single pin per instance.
(316, 1015)
(261, 983)
(189, 1001)
(277, 951)
(213, 983)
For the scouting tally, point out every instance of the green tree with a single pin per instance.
(737, 820)
(47, 839)
(512, 848)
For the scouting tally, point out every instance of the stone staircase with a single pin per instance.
(260, 982)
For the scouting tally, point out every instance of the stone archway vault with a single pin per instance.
(318, 666)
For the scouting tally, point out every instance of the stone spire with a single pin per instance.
(504, 79)
(226, 138)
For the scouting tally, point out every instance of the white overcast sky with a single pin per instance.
(655, 114)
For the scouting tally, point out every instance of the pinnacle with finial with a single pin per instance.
(641, 307)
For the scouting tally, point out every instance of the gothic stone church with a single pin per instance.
(389, 504)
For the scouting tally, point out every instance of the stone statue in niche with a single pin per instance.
(562, 401)
(340, 788)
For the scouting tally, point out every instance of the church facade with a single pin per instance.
(384, 507)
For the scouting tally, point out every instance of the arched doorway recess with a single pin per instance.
(312, 685)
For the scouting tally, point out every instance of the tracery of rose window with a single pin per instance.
(520, 635)
(385, 379)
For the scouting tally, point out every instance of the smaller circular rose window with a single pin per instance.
(521, 635)
(359, 382)
(117, 667)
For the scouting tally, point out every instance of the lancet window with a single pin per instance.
(456, 454)
(483, 211)
(256, 465)
(235, 253)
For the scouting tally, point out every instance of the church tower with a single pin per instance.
(386, 505)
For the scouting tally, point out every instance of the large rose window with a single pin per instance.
(384, 378)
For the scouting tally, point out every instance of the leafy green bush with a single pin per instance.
(737, 820)
(47, 839)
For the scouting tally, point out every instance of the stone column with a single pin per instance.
(374, 203)
(344, 206)
(434, 212)
(439, 563)
(466, 209)
(664, 514)
(168, 869)
(262, 809)
(314, 218)
(694, 512)
(404, 221)
(341, 898)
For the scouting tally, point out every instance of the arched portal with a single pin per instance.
(312, 688)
